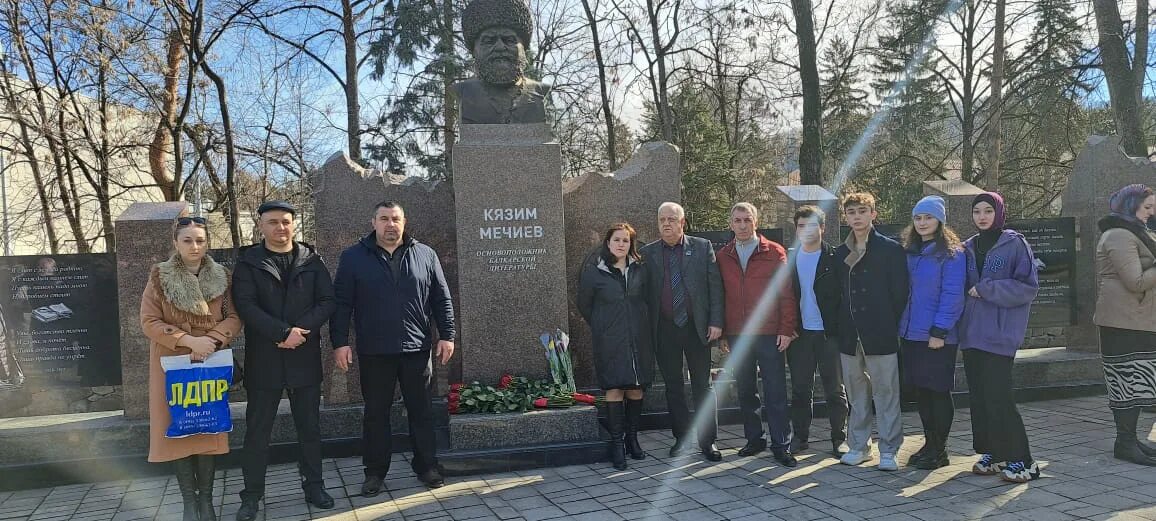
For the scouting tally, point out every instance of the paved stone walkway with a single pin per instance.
(1072, 438)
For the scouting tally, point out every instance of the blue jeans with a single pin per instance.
(760, 354)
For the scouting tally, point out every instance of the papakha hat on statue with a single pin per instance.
(480, 15)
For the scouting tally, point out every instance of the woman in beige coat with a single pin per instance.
(185, 309)
(1126, 314)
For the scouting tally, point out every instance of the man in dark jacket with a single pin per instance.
(816, 284)
(874, 280)
(283, 293)
(394, 289)
(760, 324)
(686, 301)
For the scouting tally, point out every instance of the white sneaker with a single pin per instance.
(887, 462)
(856, 457)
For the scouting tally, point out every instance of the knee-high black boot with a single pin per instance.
(924, 404)
(1127, 447)
(206, 472)
(633, 416)
(942, 413)
(186, 471)
(615, 424)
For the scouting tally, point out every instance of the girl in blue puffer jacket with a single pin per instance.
(938, 269)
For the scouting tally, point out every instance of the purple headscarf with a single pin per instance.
(996, 202)
(1126, 201)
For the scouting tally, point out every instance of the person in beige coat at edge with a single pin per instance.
(1126, 315)
(185, 309)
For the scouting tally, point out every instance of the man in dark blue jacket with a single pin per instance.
(394, 289)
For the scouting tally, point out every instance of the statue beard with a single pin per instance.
(503, 69)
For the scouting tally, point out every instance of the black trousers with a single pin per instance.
(380, 374)
(260, 411)
(997, 428)
(936, 413)
(810, 351)
(674, 344)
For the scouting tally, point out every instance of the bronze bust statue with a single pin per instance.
(497, 33)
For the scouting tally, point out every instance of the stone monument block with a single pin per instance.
(143, 238)
(593, 202)
(789, 198)
(1100, 169)
(958, 195)
(511, 248)
(345, 195)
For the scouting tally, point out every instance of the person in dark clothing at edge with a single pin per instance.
(283, 294)
(394, 289)
(816, 284)
(612, 299)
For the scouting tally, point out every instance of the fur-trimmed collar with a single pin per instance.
(188, 292)
(1133, 225)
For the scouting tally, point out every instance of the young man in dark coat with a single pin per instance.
(394, 289)
(283, 293)
(816, 275)
(874, 280)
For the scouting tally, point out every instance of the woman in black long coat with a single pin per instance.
(611, 297)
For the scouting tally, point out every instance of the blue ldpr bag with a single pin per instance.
(198, 394)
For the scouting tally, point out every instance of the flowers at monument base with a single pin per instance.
(519, 394)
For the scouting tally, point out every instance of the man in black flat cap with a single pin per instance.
(284, 294)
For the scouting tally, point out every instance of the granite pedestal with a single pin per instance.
(143, 238)
(511, 248)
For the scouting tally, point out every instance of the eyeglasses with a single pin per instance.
(185, 221)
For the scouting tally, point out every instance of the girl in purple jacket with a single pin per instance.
(1002, 283)
(927, 331)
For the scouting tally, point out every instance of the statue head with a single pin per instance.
(497, 33)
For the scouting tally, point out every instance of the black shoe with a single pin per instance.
(753, 447)
(921, 453)
(248, 510)
(931, 461)
(785, 458)
(711, 453)
(799, 444)
(432, 479)
(835, 451)
(319, 498)
(1148, 451)
(371, 486)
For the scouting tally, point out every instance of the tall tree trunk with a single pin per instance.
(352, 101)
(994, 127)
(1140, 60)
(1121, 78)
(163, 137)
(811, 148)
(664, 112)
(449, 76)
(611, 140)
